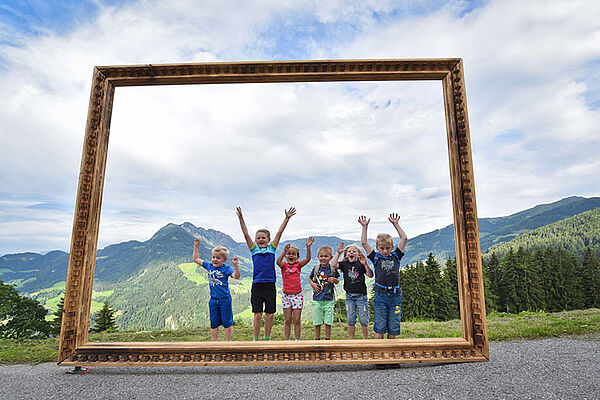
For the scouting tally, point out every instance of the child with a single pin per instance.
(292, 300)
(263, 293)
(219, 304)
(354, 267)
(321, 279)
(388, 297)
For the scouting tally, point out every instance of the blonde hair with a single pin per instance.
(265, 231)
(222, 250)
(346, 251)
(325, 249)
(295, 248)
(384, 238)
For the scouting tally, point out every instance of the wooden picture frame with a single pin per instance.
(472, 346)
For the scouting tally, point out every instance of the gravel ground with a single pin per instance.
(561, 368)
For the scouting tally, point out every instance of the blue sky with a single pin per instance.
(333, 150)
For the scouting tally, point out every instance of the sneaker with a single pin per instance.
(79, 370)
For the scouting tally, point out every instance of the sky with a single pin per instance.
(332, 150)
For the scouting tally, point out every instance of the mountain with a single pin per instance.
(498, 230)
(154, 284)
(573, 234)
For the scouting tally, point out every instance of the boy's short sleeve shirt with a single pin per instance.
(290, 274)
(387, 269)
(263, 261)
(218, 279)
(354, 277)
(324, 273)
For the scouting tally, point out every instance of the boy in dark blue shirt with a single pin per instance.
(386, 264)
(219, 305)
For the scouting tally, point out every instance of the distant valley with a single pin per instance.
(154, 285)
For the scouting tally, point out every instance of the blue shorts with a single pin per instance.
(220, 312)
(357, 304)
(387, 307)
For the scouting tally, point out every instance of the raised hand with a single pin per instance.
(394, 218)
(310, 241)
(196, 242)
(234, 260)
(286, 248)
(238, 211)
(340, 247)
(289, 213)
(361, 258)
(363, 220)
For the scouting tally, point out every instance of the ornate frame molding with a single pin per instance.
(473, 346)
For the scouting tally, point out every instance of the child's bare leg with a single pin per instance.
(228, 332)
(327, 331)
(287, 322)
(214, 333)
(351, 330)
(296, 316)
(268, 323)
(256, 323)
(317, 331)
(365, 330)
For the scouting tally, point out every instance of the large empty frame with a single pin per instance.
(472, 346)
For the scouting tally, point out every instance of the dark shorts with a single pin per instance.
(263, 293)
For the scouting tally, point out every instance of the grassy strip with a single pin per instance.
(501, 327)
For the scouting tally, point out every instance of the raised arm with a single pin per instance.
(363, 236)
(247, 236)
(236, 270)
(335, 263)
(309, 243)
(196, 256)
(282, 255)
(288, 214)
(363, 261)
(394, 219)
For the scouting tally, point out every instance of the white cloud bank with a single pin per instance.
(332, 150)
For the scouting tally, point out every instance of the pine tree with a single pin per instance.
(414, 293)
(451, 284)
(439, 296)
(57, 321)
(510, 282)
(591, 279)
(104, 321)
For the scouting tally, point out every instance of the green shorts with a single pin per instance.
(323, 312)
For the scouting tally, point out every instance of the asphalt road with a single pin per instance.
(561, 368)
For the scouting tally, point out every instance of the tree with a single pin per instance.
(57, 321)
(438, 297)
(451, 283)
(104, 321)
(22, 317)
(591, 279)
(414, 292)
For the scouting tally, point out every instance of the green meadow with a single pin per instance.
(501, 327)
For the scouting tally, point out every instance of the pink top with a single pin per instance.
(291, 278)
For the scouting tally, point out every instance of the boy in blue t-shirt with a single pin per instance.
(219, 304)
(263, 292)
(387, 300)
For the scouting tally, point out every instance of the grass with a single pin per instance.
(501, 327)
